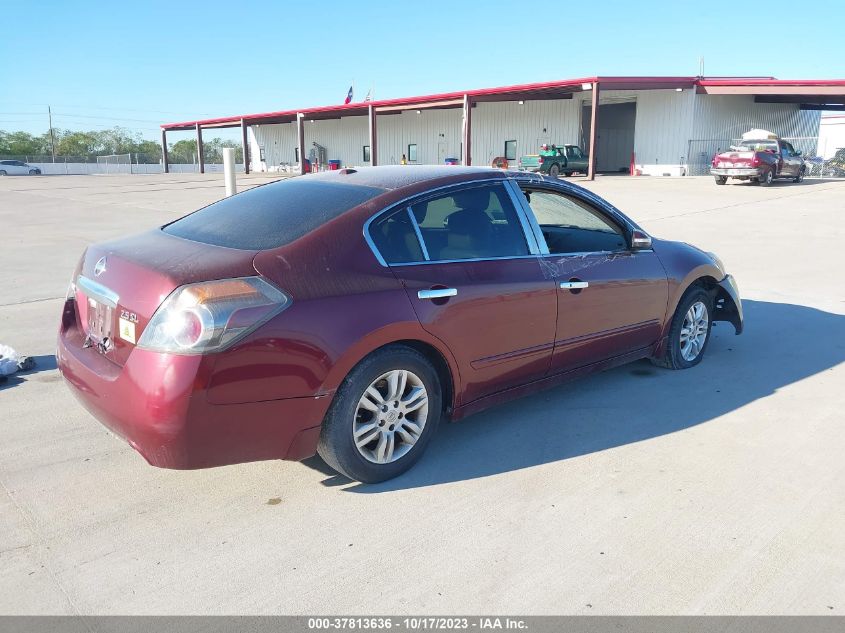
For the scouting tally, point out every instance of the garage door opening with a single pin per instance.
(615, 137)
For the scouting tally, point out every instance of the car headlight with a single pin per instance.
(211, 315)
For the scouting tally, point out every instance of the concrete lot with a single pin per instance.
(719, 490)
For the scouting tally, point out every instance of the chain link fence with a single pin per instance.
(701, 152)
(134, 163)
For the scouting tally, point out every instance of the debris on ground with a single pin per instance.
(11, 361)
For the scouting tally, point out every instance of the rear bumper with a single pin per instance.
(157, 403)
(736, 171)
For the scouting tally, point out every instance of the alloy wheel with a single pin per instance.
(390, 416)
(694, 331)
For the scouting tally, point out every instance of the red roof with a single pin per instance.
(542, 90)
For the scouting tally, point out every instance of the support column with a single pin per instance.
(164, 161)
(373, 136)
(594, 124)
(200, 158)
(245, 145)
(466, 151)
(300, 135)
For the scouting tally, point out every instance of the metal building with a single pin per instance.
(664, 126)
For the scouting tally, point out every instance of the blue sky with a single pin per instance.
(140, 64)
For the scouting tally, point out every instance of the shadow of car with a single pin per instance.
(780, 348)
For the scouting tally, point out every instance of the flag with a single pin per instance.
(348, 96)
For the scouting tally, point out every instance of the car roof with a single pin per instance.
(398, 181)
(392, 177)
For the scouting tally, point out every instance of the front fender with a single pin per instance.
(728, 304)
(685, 265)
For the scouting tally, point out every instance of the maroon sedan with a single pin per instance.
(347, 313)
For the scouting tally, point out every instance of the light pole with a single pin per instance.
(52, 138)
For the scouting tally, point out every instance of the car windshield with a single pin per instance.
(272, 215)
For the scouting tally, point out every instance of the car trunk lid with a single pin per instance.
(122, 283)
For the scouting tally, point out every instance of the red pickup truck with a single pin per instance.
(760, 161)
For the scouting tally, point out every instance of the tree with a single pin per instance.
(81, 144)
(213, 150)
(87, 146)
(23, 144)
(183, 152)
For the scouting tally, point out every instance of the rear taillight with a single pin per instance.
(755, 161)
(714, 161)
(540, 160)
(209, 316)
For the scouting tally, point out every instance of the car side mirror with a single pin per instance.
(798, 153)
(640, 241)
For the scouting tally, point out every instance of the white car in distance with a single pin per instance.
(17, 168)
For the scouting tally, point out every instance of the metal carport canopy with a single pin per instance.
(814, 94)
(534, 91)
(808, 93)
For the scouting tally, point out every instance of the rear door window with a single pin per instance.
(396, 239)
(472, 223)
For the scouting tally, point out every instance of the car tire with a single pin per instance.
(800, 176)
(33, 172)
(554, 170)
(696, 302)
(360, 429)
(2, 172)
(767, 179)
(568, 174)
(721, 180)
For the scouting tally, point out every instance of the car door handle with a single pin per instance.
(437, 293)
(572, 285)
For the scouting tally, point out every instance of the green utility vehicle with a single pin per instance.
(554, 160)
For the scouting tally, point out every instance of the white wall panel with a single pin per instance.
(530, 125)
(344, 139)
(663, 126)
(278, 142)
(426, 130)
(728, 116)
(831, 135)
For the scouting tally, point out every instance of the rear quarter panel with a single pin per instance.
(345, 305)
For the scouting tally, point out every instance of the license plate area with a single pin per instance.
(101, 305)
(100, 324)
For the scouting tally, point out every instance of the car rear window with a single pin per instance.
(272, 215)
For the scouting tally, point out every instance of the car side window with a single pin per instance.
(570, 225)
(396, 239)
(472, 223)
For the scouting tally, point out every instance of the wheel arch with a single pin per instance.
(725, 306)
(441, 366)
(434, 350)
